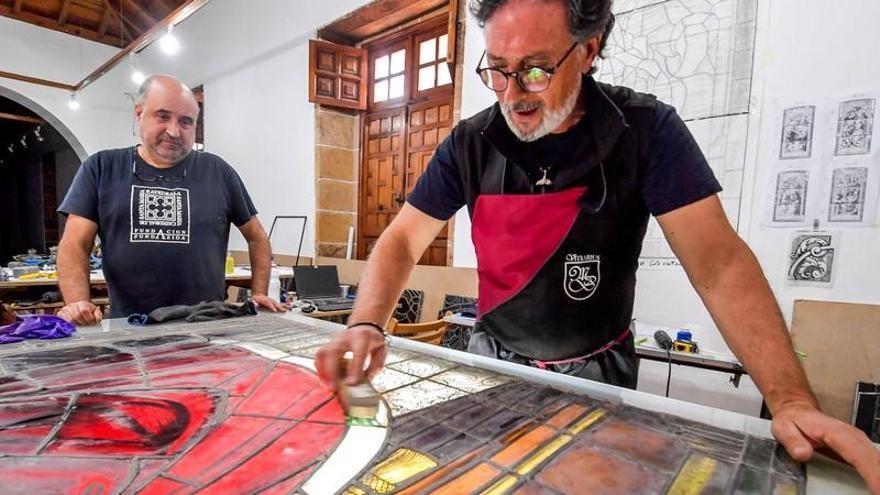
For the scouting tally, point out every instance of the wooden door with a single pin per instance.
(381, 175)
(410, 97)
(429, 123)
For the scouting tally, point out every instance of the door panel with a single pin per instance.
(381, 175)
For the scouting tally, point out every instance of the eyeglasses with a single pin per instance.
(157, 178)
(530, 80)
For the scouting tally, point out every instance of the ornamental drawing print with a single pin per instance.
(797, 132)
(855, 125)
(790, 200)
(811, 259)
(849, 186)
(160, 215)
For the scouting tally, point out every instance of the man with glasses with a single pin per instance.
(163, 213)
(559, 178)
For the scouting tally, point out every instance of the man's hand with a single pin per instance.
(264, 301)
(81, 313)
(364, 342)
(803, 429)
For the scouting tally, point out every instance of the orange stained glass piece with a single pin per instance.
(564, 417)
(582, 469)
(523, 446)
(654, 448)
(477, 477)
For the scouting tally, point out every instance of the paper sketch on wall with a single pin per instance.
(698, 57)
(797, 132)
(811, 259)
(849, 187)
(855, 125)
(790, 200)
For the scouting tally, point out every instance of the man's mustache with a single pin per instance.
(524, 106)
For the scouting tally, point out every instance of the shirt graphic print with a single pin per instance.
(160, 215)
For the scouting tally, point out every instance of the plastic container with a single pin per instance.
(275, 284)
(230, 263)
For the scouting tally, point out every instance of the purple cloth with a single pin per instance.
(36, 327)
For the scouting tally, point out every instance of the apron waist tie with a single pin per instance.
(544, 364)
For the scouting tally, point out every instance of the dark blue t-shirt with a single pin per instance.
(164, 241)
(677, 173)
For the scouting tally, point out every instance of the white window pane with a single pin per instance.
(426, 77)
(381, 69)
(380, 91)
(395, 89)
(442, 46)
(443, 76)
(427, 51)
(398, 61)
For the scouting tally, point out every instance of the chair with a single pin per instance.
(429, 332)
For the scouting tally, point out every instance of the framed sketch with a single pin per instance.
(849, 187)
(790, 199)
(855, 125)
(811, 258)
(797, 132)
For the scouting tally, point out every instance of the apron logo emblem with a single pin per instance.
(581, 276)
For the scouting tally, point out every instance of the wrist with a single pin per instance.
(372, 324)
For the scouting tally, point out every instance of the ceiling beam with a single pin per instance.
(176, 16)
(52, 24)
(105, 19)
(62, 16)
(36, 80)
(16, 7)
(143, 15)
(21, 118)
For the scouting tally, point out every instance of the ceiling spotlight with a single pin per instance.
(73, 103)
(138, 77)
(169, 43)
(10, 148)
(23, 142)
(38, 135)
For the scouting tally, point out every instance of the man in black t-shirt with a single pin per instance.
(559, 178)
(162, 212)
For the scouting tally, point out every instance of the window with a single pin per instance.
(389, 76)
(433, 71)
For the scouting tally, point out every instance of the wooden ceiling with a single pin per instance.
(376, 17)
(112, 22)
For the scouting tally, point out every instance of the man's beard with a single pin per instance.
(549, 121)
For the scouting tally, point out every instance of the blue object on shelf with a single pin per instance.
(683, 335)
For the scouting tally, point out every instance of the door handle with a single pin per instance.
(400, 199)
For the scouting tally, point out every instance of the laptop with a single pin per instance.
(319, 285)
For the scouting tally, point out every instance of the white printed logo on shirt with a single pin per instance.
(160, 215)
(581, 276)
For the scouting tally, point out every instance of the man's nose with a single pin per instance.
(513, 93)
(172, 129)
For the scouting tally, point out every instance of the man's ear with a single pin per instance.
(591, 48)
(138, 111)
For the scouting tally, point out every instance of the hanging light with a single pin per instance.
(136, 75)
(73, 103)
(37, 134)
(23, 142)
(169, 43)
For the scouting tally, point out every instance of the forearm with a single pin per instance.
(383, 280)
(73, 272)
(260, 254)
(745, 310)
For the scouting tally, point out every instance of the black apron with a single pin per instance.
(557, 269)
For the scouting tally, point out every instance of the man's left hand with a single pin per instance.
(803, 429)
(264, 301)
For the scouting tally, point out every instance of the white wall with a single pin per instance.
(104, 120)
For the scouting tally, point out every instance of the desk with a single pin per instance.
(647, 350)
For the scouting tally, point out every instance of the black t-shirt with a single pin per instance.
(677, 173)
(164, 241)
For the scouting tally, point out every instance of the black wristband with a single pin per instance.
(373, 324)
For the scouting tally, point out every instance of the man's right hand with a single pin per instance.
(364, 342)
(81, 313)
